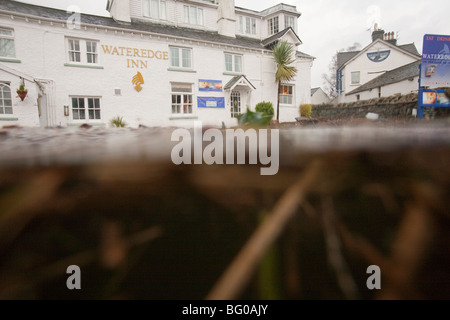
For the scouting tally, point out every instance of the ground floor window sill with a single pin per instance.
(9, 119)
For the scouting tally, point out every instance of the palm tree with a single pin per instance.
(283, 54)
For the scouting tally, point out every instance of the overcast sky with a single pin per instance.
(330, 25)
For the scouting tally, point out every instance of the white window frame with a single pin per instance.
(149, 12)
(181, 61)
(287, 99)
(289, 21)
(184, 100)
(89, 109)
(11, 38)
(250, 25)
(273, 28)
(3, 99)
(86, 57)
(354, 80)
(193, 15)
(234, 62)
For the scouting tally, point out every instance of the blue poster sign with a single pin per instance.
(211, 102)
(434, 73)
(379, 56)
(435, 70)
(210, 85)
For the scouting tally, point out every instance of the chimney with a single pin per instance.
(390, 37)
(377, 34)
(226, 18)
(119, 10)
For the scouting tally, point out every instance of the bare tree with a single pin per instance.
(330, 79)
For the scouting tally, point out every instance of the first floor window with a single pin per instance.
(155, 9)
(7, 48)
(82, 51)
(74, 50)
(273, 25)
(235, 104)
(5, 99)
(182, 98)
(91, 52)
(356, 77)
(86, 108)
(233, 63)
(286, 94)
(181, 57)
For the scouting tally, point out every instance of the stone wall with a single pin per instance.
(391, 107)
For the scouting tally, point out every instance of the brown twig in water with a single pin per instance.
(236, 277)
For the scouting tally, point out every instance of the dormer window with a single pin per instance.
(289, 21)
(247, 25)
(155, 9)
(193, 15)
(274, 25)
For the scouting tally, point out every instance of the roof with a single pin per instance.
(411, 48)
(344, 57)
(314, 90)
(405, 72)
(277, 36)
(234, 81)
(136, 25)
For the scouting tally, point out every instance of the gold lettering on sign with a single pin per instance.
(135, 52)
(138, 79)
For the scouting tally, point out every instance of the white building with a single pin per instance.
(318, 96)
(381, 69)
(153, 62)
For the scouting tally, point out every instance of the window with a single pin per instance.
(250, 25)
(82, 51)
(286, 94)
(273, 25)
(74, 51)
(7, 48)
(86, 108)
(181, 57)
(193, 15)
(5, 99)
(182, 98)
(235, 104)
(233, 63)
(155, 9)
(91, 51)
(356, 77)
(289, 21)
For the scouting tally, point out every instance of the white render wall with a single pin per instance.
(403, 87)
(41, 48)
(25, 113)
(370, 70)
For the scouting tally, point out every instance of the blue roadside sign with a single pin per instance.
(434, 73)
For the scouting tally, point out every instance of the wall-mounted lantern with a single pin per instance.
(66, 111)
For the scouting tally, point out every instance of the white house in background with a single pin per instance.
(318, 96)
(153, 62)
(381, 69)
